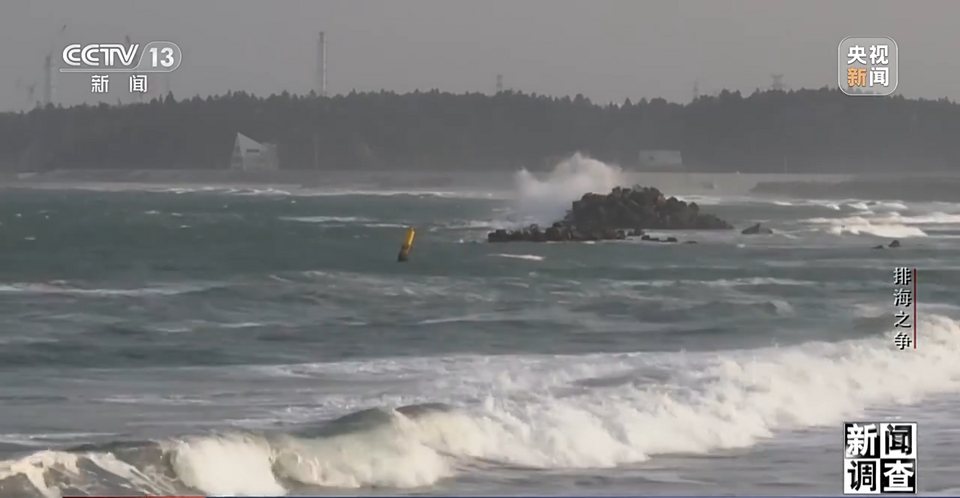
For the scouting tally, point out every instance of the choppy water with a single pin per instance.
(257, 342)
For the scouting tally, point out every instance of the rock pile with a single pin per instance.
(624, 212)
(756, 230)
(895, 244)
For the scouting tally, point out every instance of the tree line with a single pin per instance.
(795, 131)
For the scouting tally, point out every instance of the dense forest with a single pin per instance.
(797, 131)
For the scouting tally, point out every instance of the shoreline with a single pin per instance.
(925, 187)
(673, 182)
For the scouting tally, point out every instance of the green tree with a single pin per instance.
(805, 130)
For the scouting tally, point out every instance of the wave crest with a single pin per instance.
(596, 411)
(546, 200)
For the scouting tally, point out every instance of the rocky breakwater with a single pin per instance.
(623, 213)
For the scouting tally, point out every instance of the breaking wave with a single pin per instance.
(590, 411)
(547, 200)
(885, 226)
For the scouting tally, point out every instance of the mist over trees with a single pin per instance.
(796, 131)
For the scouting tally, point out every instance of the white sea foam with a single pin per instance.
(528, 257)
(891, 225)
(60, 287)
(269, 191)
(892, 218)
(545, 200)
(326, 219)
(551, 412)
(713, 402)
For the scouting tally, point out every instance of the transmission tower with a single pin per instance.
(777, 82)
(321, 78)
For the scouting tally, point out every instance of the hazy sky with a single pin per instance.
(606, 50)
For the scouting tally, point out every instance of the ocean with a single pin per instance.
(245, 341)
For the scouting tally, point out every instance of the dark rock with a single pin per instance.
(895, 243)
(690, 242)
(671, 239)
(624, 212)
(556, 233)
(498, 235)
(755, 230)
(878, 247)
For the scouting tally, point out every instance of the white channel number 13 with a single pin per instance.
(167, 53)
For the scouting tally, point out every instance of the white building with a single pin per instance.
(250, 155)
(659, 159)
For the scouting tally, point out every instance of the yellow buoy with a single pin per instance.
(407, 245)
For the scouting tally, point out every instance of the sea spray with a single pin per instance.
(546, 200)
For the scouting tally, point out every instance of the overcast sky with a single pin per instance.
(606, 50)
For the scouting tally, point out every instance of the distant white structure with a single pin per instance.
(250, 155)
(661, 159)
